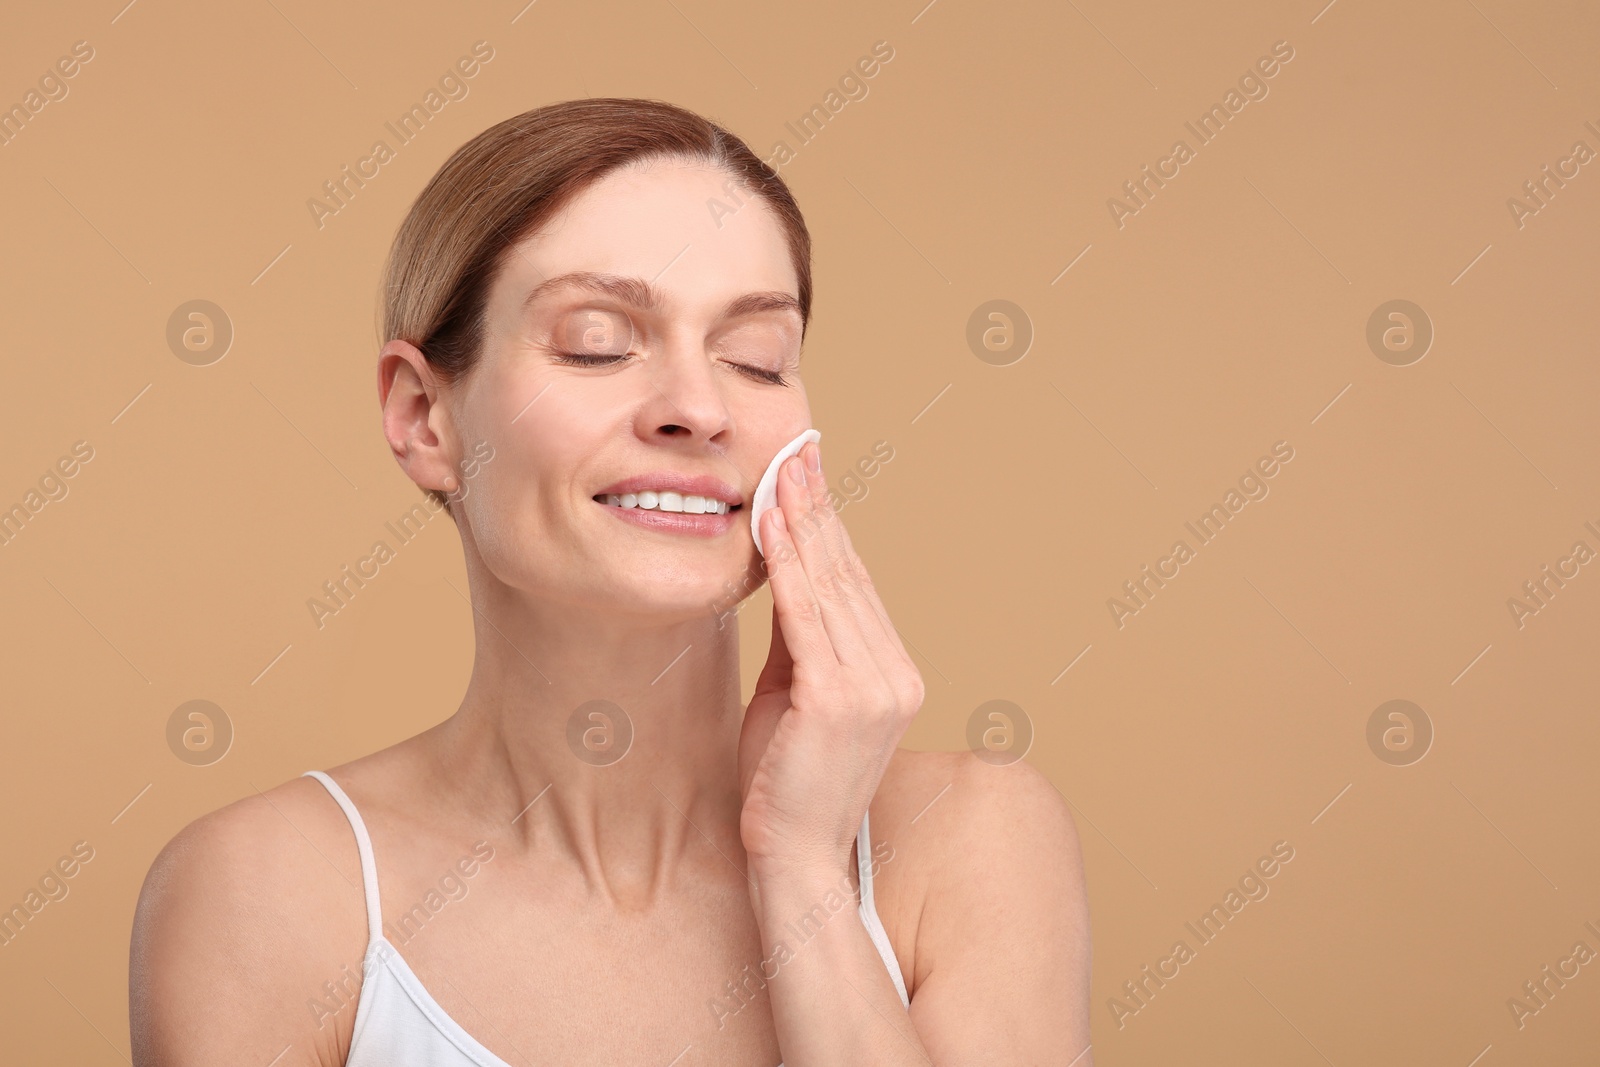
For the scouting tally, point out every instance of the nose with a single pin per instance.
(688, 398)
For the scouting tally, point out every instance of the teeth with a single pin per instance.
(666, 500)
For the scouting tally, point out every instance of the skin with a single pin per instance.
(620, 899)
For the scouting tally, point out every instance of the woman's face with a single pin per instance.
(667, 368)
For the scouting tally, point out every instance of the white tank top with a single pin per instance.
(399, 1024)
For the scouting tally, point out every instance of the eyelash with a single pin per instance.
(577, 359)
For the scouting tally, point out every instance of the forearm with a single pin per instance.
(833, 1003)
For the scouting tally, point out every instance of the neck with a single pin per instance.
(540, 748)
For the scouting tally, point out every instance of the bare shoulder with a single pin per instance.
(974, 809)
(243, 916)
(1005, 802)
(988, 893)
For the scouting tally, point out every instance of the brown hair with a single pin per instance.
(508, 180)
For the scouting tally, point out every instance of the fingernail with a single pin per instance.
(814, 457)
(797, 472)
(779, 521)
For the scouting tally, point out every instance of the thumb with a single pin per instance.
(778, 673)
(768, 704)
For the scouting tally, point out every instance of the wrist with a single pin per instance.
(783, 890)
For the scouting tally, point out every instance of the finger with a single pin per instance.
(867, 592)
(876, 626)
(828, 527)
(872, 619)
(887, 651)
(805, 636)
(808, 527)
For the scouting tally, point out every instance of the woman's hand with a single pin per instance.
(836, 695)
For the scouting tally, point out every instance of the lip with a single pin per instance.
(675, 521)
(674, 481)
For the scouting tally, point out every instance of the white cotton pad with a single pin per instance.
(766, 495)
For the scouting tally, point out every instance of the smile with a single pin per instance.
(667, 501)
(716, 518)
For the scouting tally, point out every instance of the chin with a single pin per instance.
(676, 591)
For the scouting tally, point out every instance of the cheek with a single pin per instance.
(524, 502)
(513, 496)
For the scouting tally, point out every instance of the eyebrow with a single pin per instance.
(641, 294)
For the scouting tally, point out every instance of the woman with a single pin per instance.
(601, 858)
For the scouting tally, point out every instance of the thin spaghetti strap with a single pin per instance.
(869, 911)
(864, 865)
(369, 867)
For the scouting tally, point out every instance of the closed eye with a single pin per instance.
(577, 359)
(580, 360)
(771, 377)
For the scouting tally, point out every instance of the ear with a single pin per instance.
(418, 426)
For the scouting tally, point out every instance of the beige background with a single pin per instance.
(1230, 313)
